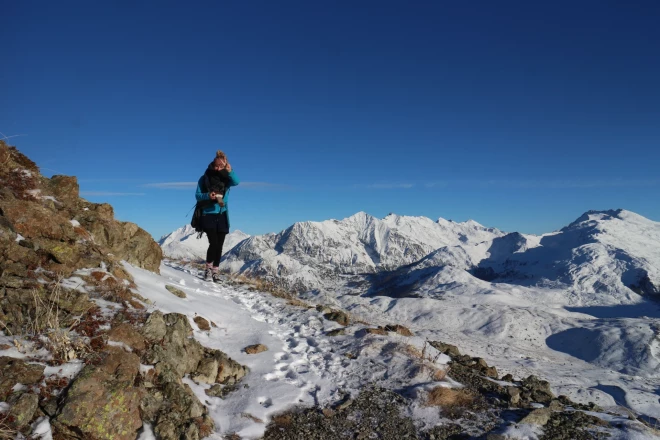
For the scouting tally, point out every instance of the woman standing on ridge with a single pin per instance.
(213, 191)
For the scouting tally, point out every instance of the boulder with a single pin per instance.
(102, 402)
(127, 334)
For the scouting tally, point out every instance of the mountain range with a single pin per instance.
(616, 253)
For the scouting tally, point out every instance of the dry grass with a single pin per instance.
(269, 287)
(283, 420)
(44, 325)
(426, 361)
(449, 398)
(251, 417)
(6, 431)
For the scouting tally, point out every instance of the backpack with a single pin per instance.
(196, 220)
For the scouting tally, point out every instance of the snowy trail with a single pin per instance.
(302, 364)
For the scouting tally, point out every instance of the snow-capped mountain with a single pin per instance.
(184, 244)
(309, 255)
(602, 251)
(610, 251)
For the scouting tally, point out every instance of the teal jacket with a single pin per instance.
(215, 208)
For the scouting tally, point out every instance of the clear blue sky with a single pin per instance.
(520, 115)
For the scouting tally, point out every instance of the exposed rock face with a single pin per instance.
(173, 408)
(61, 231)
(102, 402)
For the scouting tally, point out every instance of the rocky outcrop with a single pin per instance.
(172, 407)
(59, 231)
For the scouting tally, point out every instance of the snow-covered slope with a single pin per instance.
(183, 243)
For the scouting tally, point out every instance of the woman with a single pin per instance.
(213, 191)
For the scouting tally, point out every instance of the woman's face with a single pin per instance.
(219, 164)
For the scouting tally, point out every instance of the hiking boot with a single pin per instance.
(208, 275)
(216, 277)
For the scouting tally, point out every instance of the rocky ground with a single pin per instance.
(81, 358)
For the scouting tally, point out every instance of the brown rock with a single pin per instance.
(202, 323)
(448, 349)
(125, 240)
(33, 221)
(65, 189)
(376, 331)
(229, 371)
(403, 331)
(127, 334)
(254, 349)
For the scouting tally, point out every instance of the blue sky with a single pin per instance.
(520, 115)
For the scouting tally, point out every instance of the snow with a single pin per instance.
(74, 222)
(41, 429)
(68, 370)
(301, 366)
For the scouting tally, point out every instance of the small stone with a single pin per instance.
(336, 332)
(254, 349)
(175, 291)
(403, 331)
(202, 323)
(507, 378)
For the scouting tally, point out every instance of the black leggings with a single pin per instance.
(216, 240)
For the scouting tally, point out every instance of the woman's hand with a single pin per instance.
(228, 167)
(212, 195)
